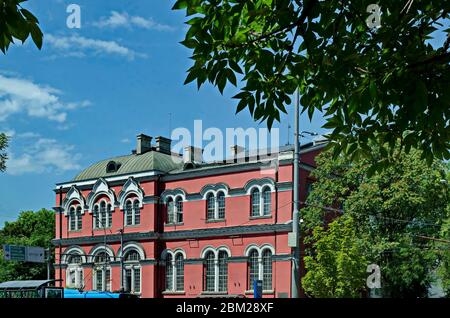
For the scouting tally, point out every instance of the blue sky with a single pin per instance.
(87, 94)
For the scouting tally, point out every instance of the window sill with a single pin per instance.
(260, 217)
(215, 221)
(169, 292)
(131, 226)
(173, 224)
(214, 293)
(103, 228)
(265, 292)
(75, 231)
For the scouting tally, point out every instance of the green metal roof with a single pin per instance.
(148, 161)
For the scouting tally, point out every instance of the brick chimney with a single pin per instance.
(237, 153)
(163, 145)
(192, 155)
(144, 144)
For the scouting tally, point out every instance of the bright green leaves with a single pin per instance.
(371, 84)
(17, 23)
(383, 215)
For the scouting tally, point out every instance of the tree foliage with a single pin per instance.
(30, 229)
(3, 154)
(17, 22)
(379, 84)
(335, 270)
(395, 214)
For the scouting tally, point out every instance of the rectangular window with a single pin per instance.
(210, 274)
(223, 274)
(137, 280)
(137, 214)
(98, 280)
(128, 283)
(108, 280)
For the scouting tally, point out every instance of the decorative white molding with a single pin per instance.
(132, 246)
(100, 188)
(72, 251)
(174, 194)
(259, 184)
(73, 195)
(216, 251)
(131, 187)
(214, 188)
(258, 248)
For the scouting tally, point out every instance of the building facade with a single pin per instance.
(177, 226)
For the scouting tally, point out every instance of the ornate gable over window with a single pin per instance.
(101, 187)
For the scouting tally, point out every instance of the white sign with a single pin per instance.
(35, 255)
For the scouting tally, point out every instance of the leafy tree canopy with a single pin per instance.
(379, 84)
(3, 154)
(30, 229)
(391, 219)
(17, 22)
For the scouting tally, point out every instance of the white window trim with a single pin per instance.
(260, 251)
(215, 194)
(134, 266)
(261, 189)
(216, 265)
(175, 199)
(102, 268)
(98, 205)
(175, 271)
(76, 217)
(133, 211)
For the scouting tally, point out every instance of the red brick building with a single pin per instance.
(189, 228)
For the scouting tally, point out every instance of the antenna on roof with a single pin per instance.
(170, 125)
(288, 134)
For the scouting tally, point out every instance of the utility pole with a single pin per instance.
(60, 235)
(121, 261)
(294, 240)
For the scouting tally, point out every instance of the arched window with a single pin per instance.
(170, 211)
(267, 201)
(175, 272)
(102, 215)
(102, 272)
(179, 207)
(75, 218)
(128, 213)
(132, 275)
(74, 271)
(137, 212)
(79, 218)
(132, 212)
(256, 202)
(267, 269)
(174, 210)
(260, 268)
(216, 271)
(221, 205)
(72, 219)
(253, 268)
(179, 272)
(169, 272)
(210, 272)
(96, 216)
(261, 202)
(223, 271)
(215, 206)
(211, 206)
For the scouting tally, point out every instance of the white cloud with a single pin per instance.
(43, 156)
(125, 141)
(79, 46)
(117, 19)
(23, 96)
